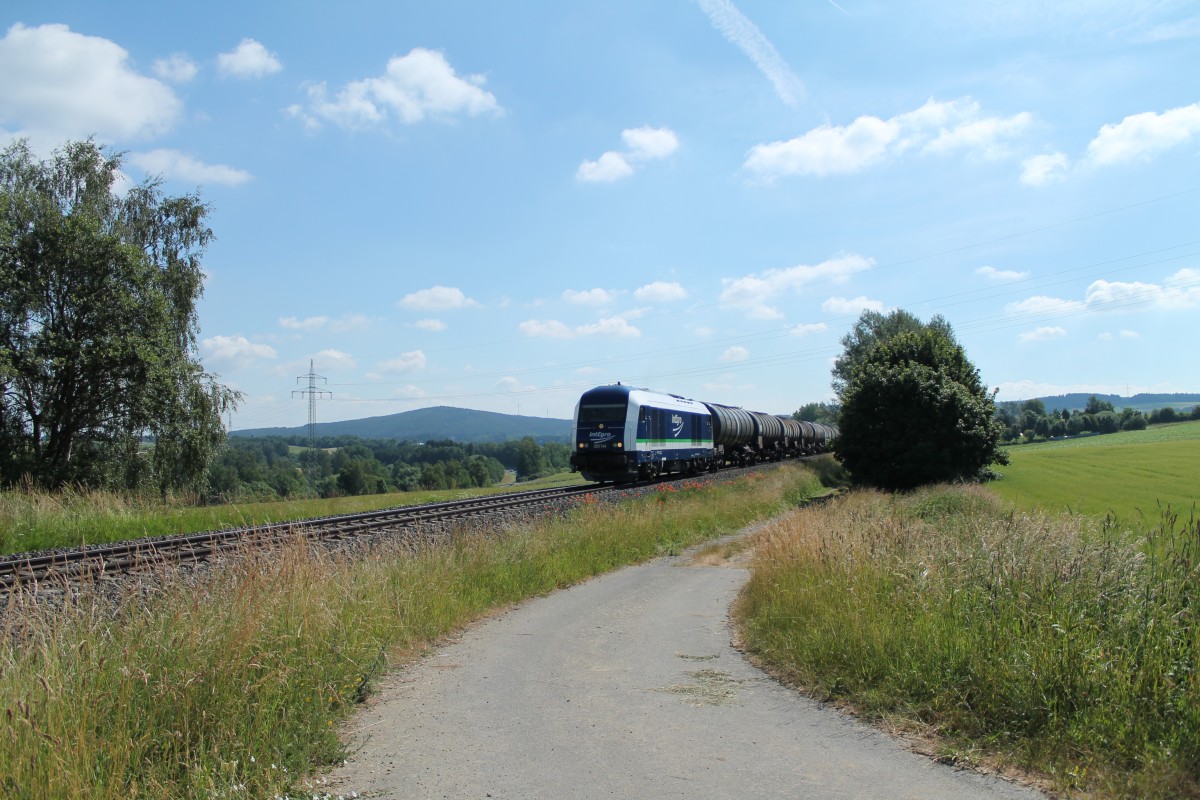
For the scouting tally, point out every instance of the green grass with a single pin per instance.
(1128, 475)
(236, 687)
(34, 520)
(1049, 643)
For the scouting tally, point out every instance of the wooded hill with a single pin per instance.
(438, 423)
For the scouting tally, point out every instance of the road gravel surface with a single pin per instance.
(625, 686)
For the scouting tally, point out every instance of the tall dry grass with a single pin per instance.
(234, 687)
(1052, 642)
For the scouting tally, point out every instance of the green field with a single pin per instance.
(1129, 475)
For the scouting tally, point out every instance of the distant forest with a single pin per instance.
(271, 468)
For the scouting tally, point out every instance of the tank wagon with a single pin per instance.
(624, 434)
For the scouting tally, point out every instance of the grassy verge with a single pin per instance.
(36, 520)
(1129, 475)
(235, 688)
(1046, 642)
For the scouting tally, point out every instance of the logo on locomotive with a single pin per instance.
(677, 421)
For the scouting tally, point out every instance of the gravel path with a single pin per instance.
(625, 686)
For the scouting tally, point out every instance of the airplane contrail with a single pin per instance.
(739, 30)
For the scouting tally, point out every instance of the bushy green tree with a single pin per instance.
(874, 327)
(824, 413)
(914, 411)
(98, 327)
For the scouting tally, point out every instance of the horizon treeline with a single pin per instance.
(279, 467)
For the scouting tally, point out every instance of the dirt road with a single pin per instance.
(625, 687)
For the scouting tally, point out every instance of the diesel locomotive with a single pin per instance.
(625, 434)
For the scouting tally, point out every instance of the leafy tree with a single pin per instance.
(1095, 405)
(530, 462)
(1106, 422)
(1134, 423)
(874, 327)
(1161, 415)
(914, 411)
(824, 413)
(1037, 406)
(98, 327)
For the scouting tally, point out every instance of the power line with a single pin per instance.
(312, 392)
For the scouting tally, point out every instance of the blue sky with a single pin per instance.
(500, 205)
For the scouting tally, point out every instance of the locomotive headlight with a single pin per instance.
(582, 445)
(620, 444)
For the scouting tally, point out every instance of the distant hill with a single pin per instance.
(1139, 402)
(440, 422)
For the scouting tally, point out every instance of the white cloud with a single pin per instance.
(613, 326)
(71, 86)
(609, 167)
(746, 36)
(306, 324)
(407, 362)
(809, 327)
(589, 297)
(235, 351)
(1141, 136)
(660, 292)
(177, 68)
(1042, 334)
(334, 359)
(549, 328)
(645, 144)
(350, 322)
(437, 298)
(1040, 305)
(1121, 334)
(826, 150)
(733, 355)
(751, 291)
(1175, 295)
(248, 60)
(1044, 169)
(993, 274)
(851, 307)
(987, 137)
(179, 166)
(415, 87)
(430, 325)
(936, 127)
(1179, 292)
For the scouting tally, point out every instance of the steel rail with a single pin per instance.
(122, 557)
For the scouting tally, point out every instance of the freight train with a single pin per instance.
(625, 434)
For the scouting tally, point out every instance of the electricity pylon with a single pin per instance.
(312, 392)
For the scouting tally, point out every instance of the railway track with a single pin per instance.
(29, 570)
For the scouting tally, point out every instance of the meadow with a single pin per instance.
(1132, 476)
(237, 687)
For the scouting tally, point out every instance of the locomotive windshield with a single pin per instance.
(607, 412)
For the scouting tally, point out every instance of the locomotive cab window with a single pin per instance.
(614, 412)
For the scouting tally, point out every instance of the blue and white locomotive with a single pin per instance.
(625, 434)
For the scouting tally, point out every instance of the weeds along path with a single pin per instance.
(624, 686)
